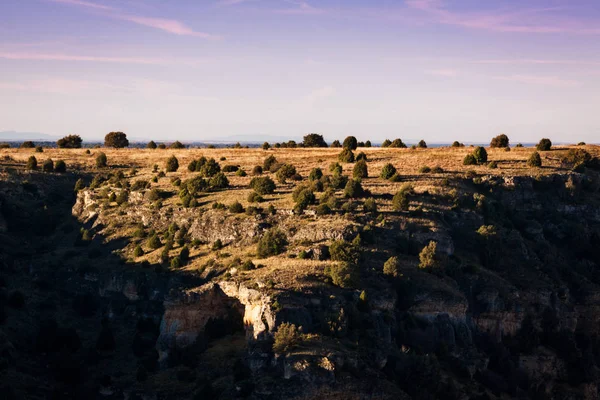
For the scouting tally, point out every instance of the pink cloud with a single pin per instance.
(300, 8)
(447, 73)
(537, 62)
(84, 58)
(553, 81)
(166, 25)
(538, 20)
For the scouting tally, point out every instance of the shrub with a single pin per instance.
(342, 250)
(177, 145)
(285, 172)
(122, 197)
(323, 209)
(32, 163)
(39, 149)
(176, 263)
(535, 160)
(361, 156)
(493, 165)
(314, 140)
(370, 206)
(390, 267)
(519, 145)
(272, 243)
(217, 245)
(368, 143)
(140, 185)
(480, 155)
(254, 197)
(360, 170)
(315, 174)
(236, 207)
(184, 255)
(344, 274)
(353, 189)
(500, 141)
(79, 185)
(336, 144)
(346, 156)
(101, 160)
(60, 167)
(581, 144)
(424, 170)
(428, 257)
(69, 142)
(350, 143)
(48, 165)
(386, 143)
(263, 185)
(219, 181)
(151, 145)
(154, 242)
(422, 144)
(437, 170)
(286, 338)
(456, 143)
(162, 146)
(230, 168)
(398, 143)
(28, 144)
(269, 162)
(116, 139)
(266, 146)
(400, 201)
(469, 160)
(335, 168)
(544, 145)
(338, 181)
(172, 164)
(240, 172)
(257, 170)
(210, 168)
(387, 171)
(138, 252)
(303, 199)
(576, 158)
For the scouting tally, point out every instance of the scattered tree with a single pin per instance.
(387, 171)
(172, 164)
(428, 257)
(60, 167)
(535, 160)
(360, 170)
(27, 145)
(263, 185)
(390, 267)
(70, 142)
(32, 163)
(48, 165)
(422, 144)
(314, 140)
(286, 338)
(151, 145)
(544, 145)
(177, 145)
(272, 243)
(350, 143)
(346, 156)
(500, 141)
(117, 140)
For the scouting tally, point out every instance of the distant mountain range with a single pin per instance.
(19, 136)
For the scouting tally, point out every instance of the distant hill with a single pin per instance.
(20, 136)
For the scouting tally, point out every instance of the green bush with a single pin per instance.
(101, 160)
(236, 207)
(217, 245)
(314, 140)
(323, 209)
(32, 163)
(177, 145)
(346, 156)
(386, 143)
(338, 181)
(387, 171)
(151, 145)
(361, 156)
(304, 198)
(286, 338)
(254, 197)
(172, 164)
(210, 168)
(138, 252)
(286, 171)
(154, 242)
(469, 160)
(257, 170)
(344, 274)
(480, 155)
(176, 263)
(391, 267)
(269, 162)
(219, 181)
(336, 144)
(39, 149)
(401, 201)
(437, 170)
(335, 168)
(535, 160)
(424, 170)
(116, 139)
(398, 143)
(263, 185)
(428, 257)
(69, 142)
(230, 168)
(493, 165)
(350, 143)
(80, 184)
(266, 146)
(184, 255)
(48, 165)
(353, 189)
(60, 167)
(240, 172)
(500, 141)
(370, 206)
(272, 243)
(360, 170)
(422, 144)
(576, 158)
(544, 145)
(122, 197)
(315, 174)
(28, 144)
(456, 143)
(342, 250)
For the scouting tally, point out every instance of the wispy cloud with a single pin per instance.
(60, 86)
(525, 61)
(102, 59)
(553, 81)
(525, 20)
(166, 25)
(300, 8)
(447, 73)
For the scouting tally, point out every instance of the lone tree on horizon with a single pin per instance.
(69, 142)
(116, 139)
(500, 141)
(314, 140)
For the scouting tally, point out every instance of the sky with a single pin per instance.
(194, 70)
